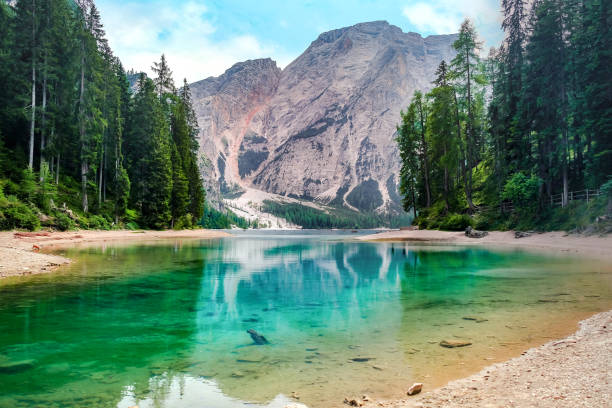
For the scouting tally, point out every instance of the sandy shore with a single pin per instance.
(592, 246)
(20, 253)
(573, 372)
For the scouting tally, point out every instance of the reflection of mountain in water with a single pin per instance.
(323, 282)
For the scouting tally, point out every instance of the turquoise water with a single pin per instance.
(165, 325)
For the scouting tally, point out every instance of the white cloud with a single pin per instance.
(445, 16)
(140, 32)
(427, 18)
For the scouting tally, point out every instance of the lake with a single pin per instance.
(165, 324)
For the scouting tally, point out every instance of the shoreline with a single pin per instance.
(26, 253)
(568, 372)
(559, 242)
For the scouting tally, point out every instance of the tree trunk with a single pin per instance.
(425, 161)
(33, 117)
(44, 119)
(101, 171)
(469, 137)
(445, 182)
(84, 163)
(57, 170)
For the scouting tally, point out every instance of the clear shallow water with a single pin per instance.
(165, 325)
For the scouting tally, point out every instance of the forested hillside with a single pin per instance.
(77, 147)
(504, 142)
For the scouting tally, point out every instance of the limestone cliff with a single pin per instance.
(323, 128)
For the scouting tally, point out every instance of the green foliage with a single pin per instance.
(456, 222)
(545, 132)
(312, 218)
(132, 226)
(96, 222)
(522, 191)
(27, 186)
(17, 215)
(46, 189)
(63, 222)
(91, 147)
(215, 219)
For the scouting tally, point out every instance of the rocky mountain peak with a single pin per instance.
(323, 128)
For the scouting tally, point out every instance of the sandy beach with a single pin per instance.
(23, 253)
(594, 246)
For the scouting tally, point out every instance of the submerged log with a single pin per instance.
(257, 338)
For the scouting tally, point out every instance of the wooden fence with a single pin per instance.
(588, 194)
(555, 200)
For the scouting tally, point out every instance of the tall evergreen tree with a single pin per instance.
(163, 82)
(150, 168)
(189, 152)
(465, 71)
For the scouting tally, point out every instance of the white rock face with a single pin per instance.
(324, 127)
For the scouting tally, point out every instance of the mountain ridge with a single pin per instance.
(322, 128)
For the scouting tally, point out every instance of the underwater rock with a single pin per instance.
(472, 233)
(257, 338)
(353, 402)
(16, 367)
(415, 389)
(361, 359)
(454, 343)
(475, 319)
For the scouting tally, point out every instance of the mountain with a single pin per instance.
(323, 128)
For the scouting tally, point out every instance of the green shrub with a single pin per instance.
(456, 222)
(132, 226)
(184, 222)
(97, 222)
(482, 222)
(63, 222)
(16, 215)
(523, 192)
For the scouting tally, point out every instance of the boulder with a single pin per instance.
(472, 233)
(415, 389)
(521, 234)
(454, 343)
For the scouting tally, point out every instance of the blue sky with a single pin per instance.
(205, 37)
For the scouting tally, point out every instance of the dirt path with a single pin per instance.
(20, 252)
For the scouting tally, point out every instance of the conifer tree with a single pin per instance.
(465, 68)
(163, 82)
(149, 144)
